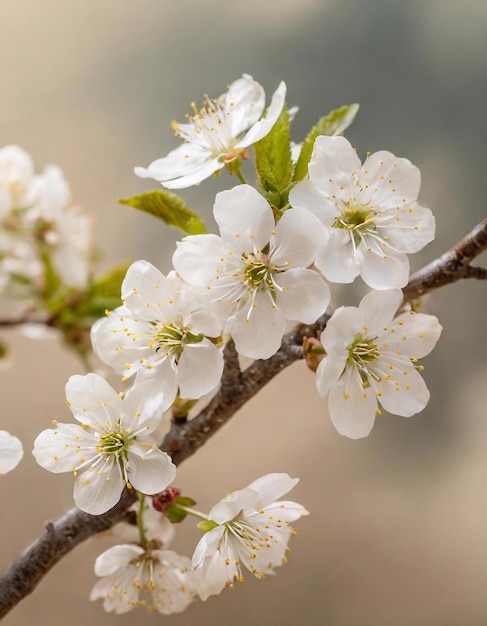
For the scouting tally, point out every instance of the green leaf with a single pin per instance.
(169, 208)
(273, 161)
(332, 124)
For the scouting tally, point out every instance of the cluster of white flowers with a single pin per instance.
(248, 529)
(270, 267)
(39, 224)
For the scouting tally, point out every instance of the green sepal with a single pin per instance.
(174, 514)
(169, 208)
(207, 525)
(273, 161)
(332, 124)
(184, 501)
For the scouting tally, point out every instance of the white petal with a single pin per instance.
(142, 405)
(165, 375)
(401, 179)
(244, 217)
(245, 102)
(409, 228)
(264, 126)
(96, 490)
(207, 544)
(415, 334)
(199, 369)
(335, 259)
(145, 284)
(298, 235)
(344, 324)
(116, 557)
(197, 256)
(383, 271)
(307, 197)
(174, 582)
(352, 409)
(271, 487)
(206, 170)
(259, 336)
(149, 469)
(304, 296)
(121, 341)
(64, 448)
(11, 452)
(379, 308)
(405, 393)
(92, 401)
(329, 371)
(333, 164)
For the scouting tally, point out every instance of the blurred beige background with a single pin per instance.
(398, 528)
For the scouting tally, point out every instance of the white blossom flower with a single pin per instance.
(370, 212)
(62, 225)
(371, 357)
(257, 270)
(217, 134)
(16, 176)
(251, 530)
(161, 332)
(11, 452)
(154, 579)
(111, 447)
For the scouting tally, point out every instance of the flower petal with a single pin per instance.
(379, 308)
(149, 469)
(96, 491)
(405, 393)
(199, 369)
(244, 217)
(11, 452)
(298, 236)
(352, 409)
(92, 401)
(64, 448)
(304, 296)
(264, 126)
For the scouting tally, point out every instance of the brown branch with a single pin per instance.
(185, 438)
(182, 441)
(451, 265)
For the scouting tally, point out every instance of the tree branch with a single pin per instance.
(451, 266)
(185, 438)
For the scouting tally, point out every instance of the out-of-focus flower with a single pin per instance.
(133, 577)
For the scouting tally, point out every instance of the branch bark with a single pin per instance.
(451, 265)
(185, 438)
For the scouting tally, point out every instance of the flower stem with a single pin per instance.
(140, 520)
(190, 511)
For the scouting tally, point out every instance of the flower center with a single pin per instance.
(115, 443)
(172, 337)
(358, 219)
(361, 352)
(258, 272)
